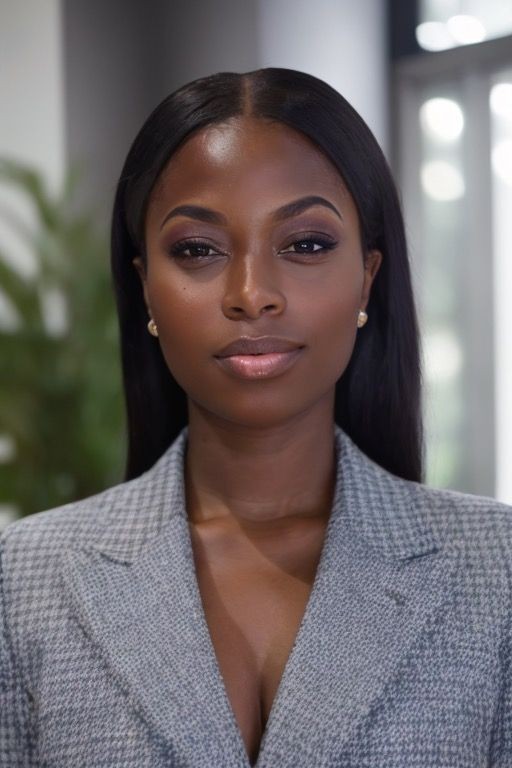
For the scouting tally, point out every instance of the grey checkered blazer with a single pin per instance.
(402, 659)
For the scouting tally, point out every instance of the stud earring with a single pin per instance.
(362, 318)
(152, 328)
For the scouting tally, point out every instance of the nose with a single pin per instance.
(252, 289)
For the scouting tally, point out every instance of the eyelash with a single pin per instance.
(179, 248)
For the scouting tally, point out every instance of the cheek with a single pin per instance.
(333, 337)
(174, 292)
(183, 316)
(330, 320)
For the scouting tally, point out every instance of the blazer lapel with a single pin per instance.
(382, 580)
(136, 593)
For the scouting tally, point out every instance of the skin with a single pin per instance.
(260, 463)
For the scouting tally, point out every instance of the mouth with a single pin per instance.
(258, 345)
(260, 365)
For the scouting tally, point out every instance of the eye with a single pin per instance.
(197, 250)
(311, 245)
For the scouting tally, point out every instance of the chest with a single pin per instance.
(254, 599)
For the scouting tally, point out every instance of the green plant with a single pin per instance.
(60, 392)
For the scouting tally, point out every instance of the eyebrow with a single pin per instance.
(210, 216)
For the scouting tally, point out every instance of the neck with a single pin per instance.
(262, 477)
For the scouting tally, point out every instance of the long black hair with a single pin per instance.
(377, 399)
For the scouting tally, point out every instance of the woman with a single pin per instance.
(272, 584)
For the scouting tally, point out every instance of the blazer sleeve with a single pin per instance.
(15, 743)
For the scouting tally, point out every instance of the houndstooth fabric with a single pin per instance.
(402, 659)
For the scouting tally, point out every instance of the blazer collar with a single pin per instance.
(382, 577)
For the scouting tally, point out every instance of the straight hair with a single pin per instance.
(378, 397)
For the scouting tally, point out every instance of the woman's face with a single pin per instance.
(237, 263)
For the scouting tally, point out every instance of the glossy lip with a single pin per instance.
(259, 366)
(258, 345)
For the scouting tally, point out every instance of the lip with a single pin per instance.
(260, 366)
(258, 345)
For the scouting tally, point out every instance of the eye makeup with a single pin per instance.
(306, 240)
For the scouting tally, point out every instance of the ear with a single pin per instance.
(373, 260)
(140, 266)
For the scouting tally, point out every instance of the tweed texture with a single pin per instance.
(402, 659)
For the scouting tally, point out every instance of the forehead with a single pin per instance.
(248, 160)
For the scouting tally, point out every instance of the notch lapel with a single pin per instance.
(134, 590)
(382, 580)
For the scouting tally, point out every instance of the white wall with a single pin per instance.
(112, 52)
(340, 41)
(201, 37)
(31, 84)
(31, 104)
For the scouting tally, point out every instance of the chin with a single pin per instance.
(261, 413)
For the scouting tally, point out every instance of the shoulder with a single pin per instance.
(117, 520)
(455, 517)
(124, 511)
(479, 530)
(418, 518)
(478, 521)
(468, 521)
(67, 523)
(36, 543)
(451, 515)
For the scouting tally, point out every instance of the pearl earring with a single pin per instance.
(152, 328)
(362, 318)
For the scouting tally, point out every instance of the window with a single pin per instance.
(453, 156)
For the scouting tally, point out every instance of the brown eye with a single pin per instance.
(311, 245)
(194, 250)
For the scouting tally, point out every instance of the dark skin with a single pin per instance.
(260, 459)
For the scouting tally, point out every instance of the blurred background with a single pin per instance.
(432, 78)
